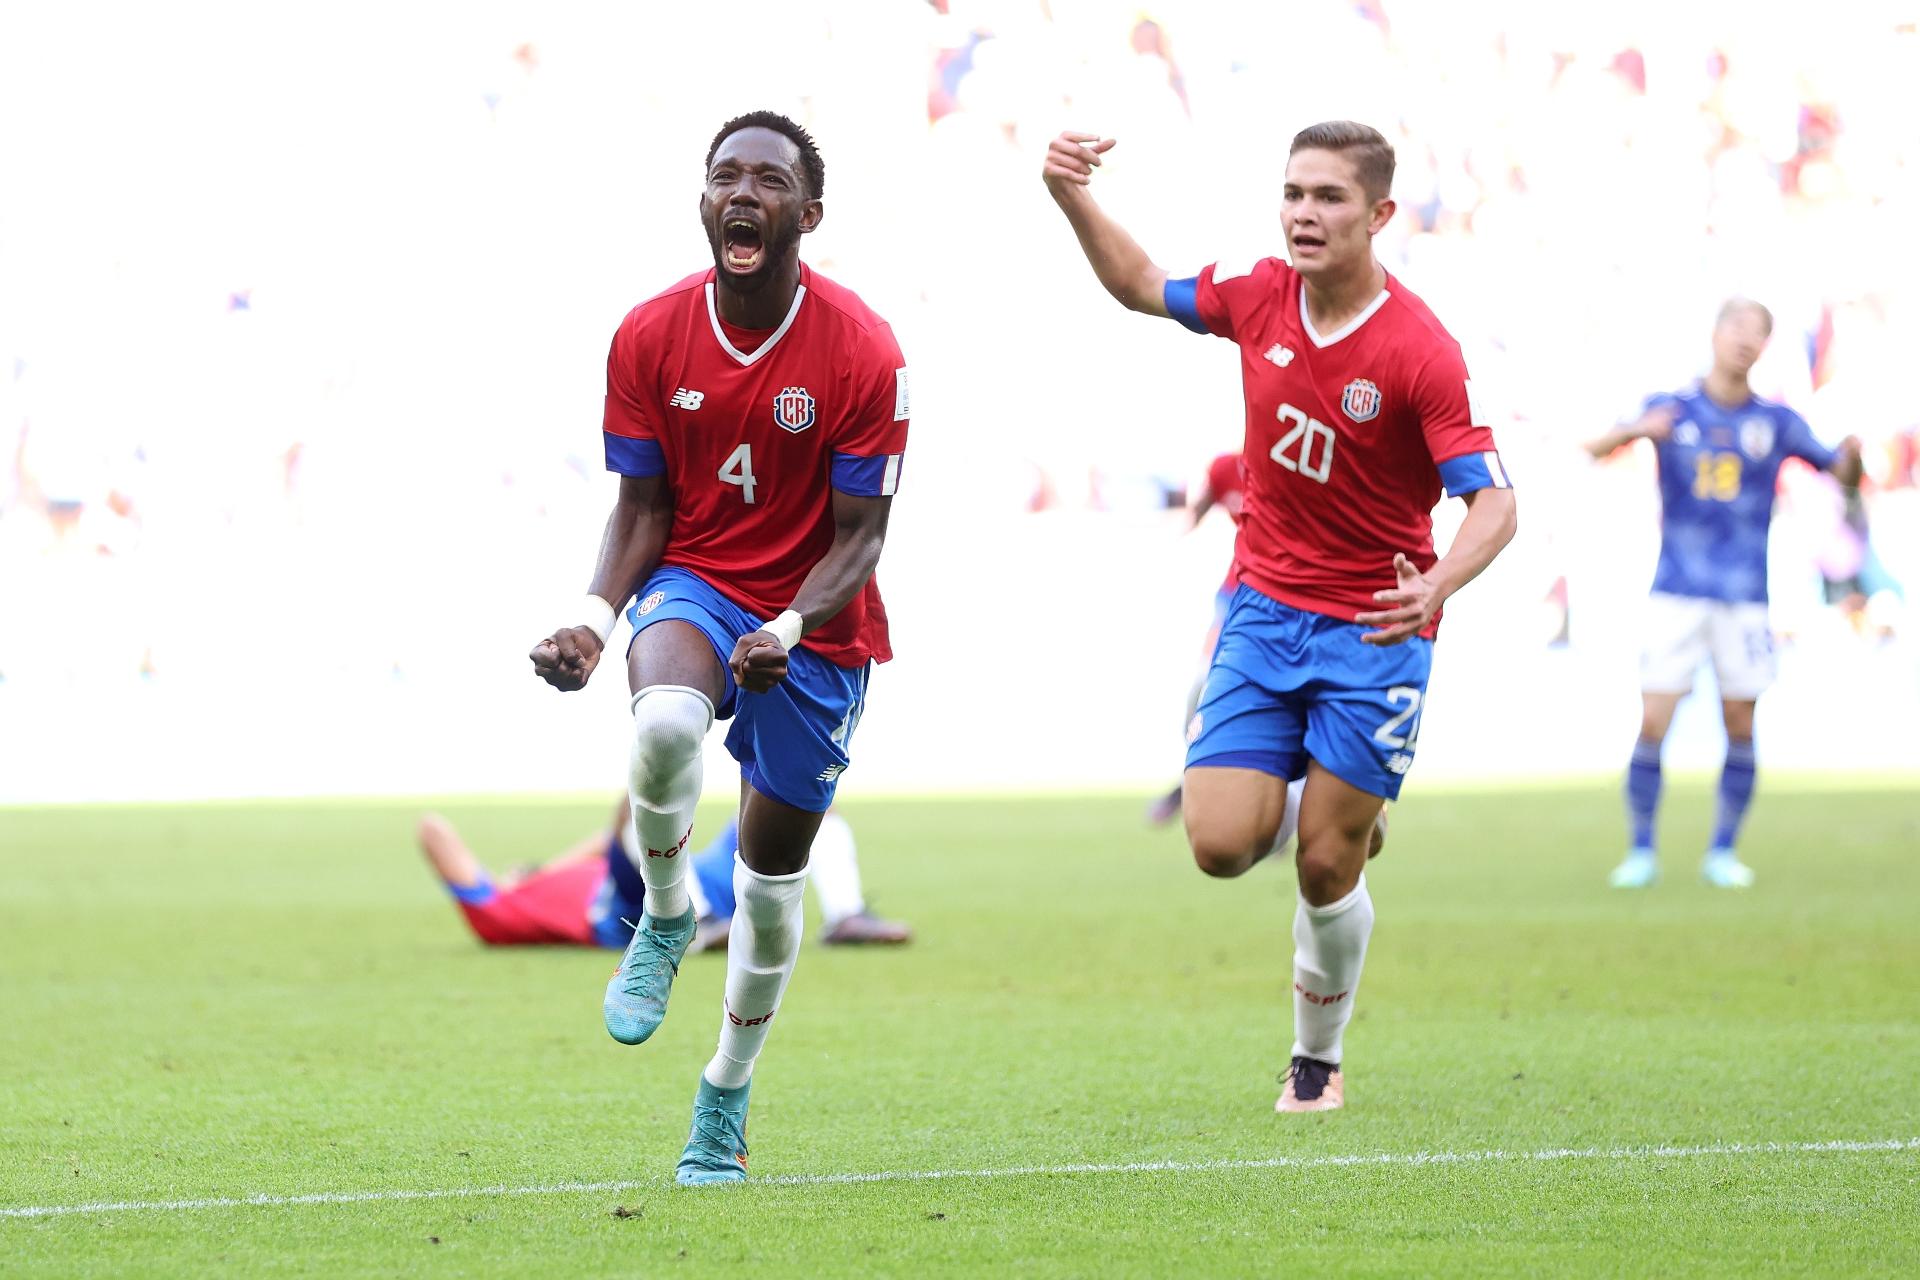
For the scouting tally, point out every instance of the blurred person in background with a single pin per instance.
(1720, 448)
(591, 895)
(757, 415)
(1358, 414)
(1221, 487)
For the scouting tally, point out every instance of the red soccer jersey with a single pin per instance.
(1229, 492)
(753, 441)
(1350, 435)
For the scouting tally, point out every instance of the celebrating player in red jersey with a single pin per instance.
(1359, 413)
(756, 414)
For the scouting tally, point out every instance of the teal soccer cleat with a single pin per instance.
(637, 993)
(717, 1145)
(1723, 870)
(1638, 870)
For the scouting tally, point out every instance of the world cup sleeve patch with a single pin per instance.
(900, 404)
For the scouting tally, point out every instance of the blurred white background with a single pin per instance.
(304, 314)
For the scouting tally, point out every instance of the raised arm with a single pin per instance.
(635, 537)
(1847, 467)
(1655, 424)
(859, 532)
(1122, 265)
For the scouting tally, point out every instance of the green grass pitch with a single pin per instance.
(204, 1002)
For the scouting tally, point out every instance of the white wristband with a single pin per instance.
(597, 617)
(786, 629)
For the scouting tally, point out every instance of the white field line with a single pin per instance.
(1414, 1159)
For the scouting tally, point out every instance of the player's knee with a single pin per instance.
(669, 724)
(1328, 870)
(1221, 857)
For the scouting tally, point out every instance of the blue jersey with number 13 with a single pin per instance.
(1718, 471)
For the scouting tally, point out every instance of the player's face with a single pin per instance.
(1739, 339)
(756, 207)
(1326, 215)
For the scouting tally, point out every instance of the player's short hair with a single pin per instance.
(1734, 306)
(810, 162)
(1371, 153)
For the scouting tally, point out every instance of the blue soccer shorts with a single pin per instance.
(791, 741)
(1287, 685)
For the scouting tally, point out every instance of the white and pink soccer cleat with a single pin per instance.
(1311, 1085)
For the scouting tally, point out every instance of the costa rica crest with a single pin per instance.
(1361, 400)
(794, 409)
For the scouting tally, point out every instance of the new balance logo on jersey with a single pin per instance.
(1282, 356)
(685, 399)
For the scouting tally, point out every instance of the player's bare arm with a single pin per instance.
(1122, 265)
(859, 531)
(1492, 519)
(635, 537)
(1203, 502)
(1655, 424)
(1847, 467)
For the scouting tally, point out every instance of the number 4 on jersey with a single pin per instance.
(738, 469)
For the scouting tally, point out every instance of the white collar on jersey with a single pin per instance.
(1345, 330)
(720, 334)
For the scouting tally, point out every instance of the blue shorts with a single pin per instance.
(1288, 685)
(791, 741)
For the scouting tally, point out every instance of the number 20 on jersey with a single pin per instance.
(1307, 445)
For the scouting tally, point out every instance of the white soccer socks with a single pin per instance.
(761, 949)
(670, 722)
(1329, 946)
(835, 871)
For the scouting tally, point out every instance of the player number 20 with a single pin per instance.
(1306, 437)
(738, 469)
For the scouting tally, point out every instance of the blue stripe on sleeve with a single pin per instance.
(1471, 471)
(1183, 302)
(867, 477)
(634, 457)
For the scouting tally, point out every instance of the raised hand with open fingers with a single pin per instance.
(1412, 604)
(1071, 159)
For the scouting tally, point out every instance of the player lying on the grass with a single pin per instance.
(1719, 449)
(1358, 414)
(833, 869)
(1222, 488)
(590, 895)
(756, 413)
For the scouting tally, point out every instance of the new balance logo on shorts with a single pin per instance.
(673, 852)
(685, 399)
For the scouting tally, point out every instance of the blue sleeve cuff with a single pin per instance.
(1818, 455)
(631, 456)
(1471, 471)
(1183, 303)
(867, 477)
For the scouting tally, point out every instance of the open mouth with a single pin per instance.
(743, 247)
(1308, 242)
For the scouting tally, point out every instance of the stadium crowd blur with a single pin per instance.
(301, 335)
